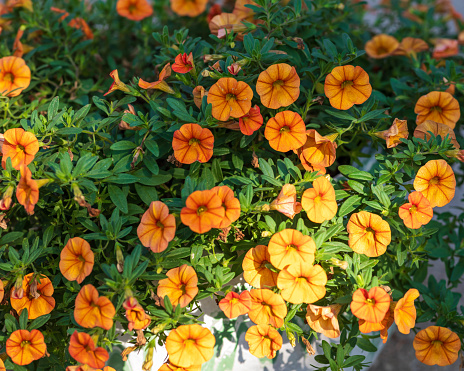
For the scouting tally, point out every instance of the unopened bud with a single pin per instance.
(291, 339)
(158, 328)
(212, 57)
(148, 363)
(265, 208)
(360, 280)
(127, 351)
(119, 259)
(266, 234)
(18, 291)
(342, 264)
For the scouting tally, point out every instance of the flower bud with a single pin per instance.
(148, 363)
(119, 259)
(18, 291)
(158, 328)
(212, 57)
(291, 339)
(265, 208)
(360, 280)
(342, 264)
(266, 234)
(6, 201)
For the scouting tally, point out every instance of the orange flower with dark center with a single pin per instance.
(381, 46)
(21, 146)
(417, 212)
(117, 84)
(286, 203)
(267, 308)
(15, 76)
(27, 191)
(278, 86)
(188, 8)
(190, 345)
(226, 23)
(437, 345)
(291, 246)
(135, 10)
(256, 270)
(230, 98)
(437, 183)
(319, 201)
(135, 314)
(438, 106)
(405, 311)
(92, 310)
(37, 298)
(82, 348)
(160, 84)
(183, 63)
(368, 233)
(370, 306)
(203, 210)
(234, 304)
(263, 341)
(76, 260)
(157, 227)
(286, 131)
(251, 122)
(180, 286)
(445, 48)
(437, 129)
(324, 319)
(302, 283)
(231, 205)
(198, 93)
(392, 135)
(317, 152)
(24, 347)
(193, 143)
(410, 46)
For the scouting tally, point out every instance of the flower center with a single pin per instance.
(436, 108)
(284, 129)
(437, 342)
(201, 210)
(435, 180)
(189, 341)
(382, 50)
(132, 8)
(292, 246)
(159, 224)
(370, 230)
(20, 148)
(230, 96)
(194, 141)
(370, 301)
(8, 77)
(233, 301)
(346, 83)
(318, 198)
(183, 289)
(413, 209)
(278, 83)
(300, 279)
(81, 258)
(24, 343)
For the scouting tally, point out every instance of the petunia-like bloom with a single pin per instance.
(302, 283)
(172, 367)
(251, 122)
(193, 143)
(203, 210)
(76, 260)
(117, 84)
(437, 129)
(188, 8)
(230, 98)
(370, 306)
(318, 152)
(83, 349)
(346, 86)
(278, 86)
(383, 326)
(267, 308)
(37, 298)
(286, 203)
(15, 76)
(324, 319)
(256, 270)
(225, 23)
(77, 23)
(291, 246)
(319, 201)
(234, 304)
(6, 201)
(438, 106)
(160, 84)
(198, 93)
(263, 341)
(21, 146)
(437, 345)
(180, 286)
(437, 183)
(381, 46)
(190, 345)
(24, 347)
(445, 48)
(157, 227)
(417, 212)
(405, 311)
(135, 10)
(230, 203)
(392, 135)
(368, 233)
(242, 12)
(27, 191)
(135, 314)
(285, 131)
(92, 310)
(410, 46)
(183, 63)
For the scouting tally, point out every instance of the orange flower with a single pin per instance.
(242, 12)
(82, 348)
(76, 260)
(183, 63)
(157, 227)
(172, 367)
(80, 24)
(190, 345)
(135, 314)
(368, 233)
(117, 84)
(27, 191)
(160, 84)
(291, 246)
(203, 210)
(231, 205)
(255, 271)
(92, 310)
(278, 86)
(263, 341)
(437, 129)
(381, 46)
(188, 8)
(438, 106)
(267, 308)
(318, 152)
(6, 201)
(2, 291)
(383, 326)
(21, 146)
(37, 298)
(410, 46)
(193, 143)
(198, 93)
(286, 131)
(392, 136)
(445, 48)
(213, 11)
(251, 122)
(15, 76)
(285, 202)
(180, 286)
(346, 86)
(405, 311)
(324, 319)
(302, 283)
(135, 10)
(2, 365)
(437, 346)
(225, 23)
(370, 306)
(437, 183)
(230, 98)
(417, 212)
(24, 347)
(319, 201)
(234, 305)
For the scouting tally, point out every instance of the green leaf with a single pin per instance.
(152, 147)
(39, 322)
(10, 237)
(118, 197)
(23, 319)
(348, 206)
(366, 345)
(123, 145)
